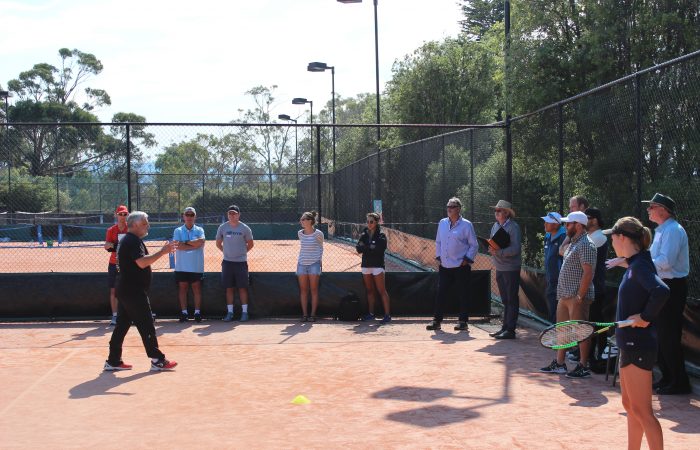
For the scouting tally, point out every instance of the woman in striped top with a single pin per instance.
(309, 264)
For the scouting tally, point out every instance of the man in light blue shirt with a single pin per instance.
(189, 263)
(455, 250)
(669, 251)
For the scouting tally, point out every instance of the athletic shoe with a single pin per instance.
(434, 325)
(554, 367)
(368, 318)
(462, 326)
(197, 317)
(163, 364)
(121, 366)
(183, 317)
(244, 317)
(229, 317)
(113, 322)
(304, 318)
(386, 319)
(312, 318)
(579, 372)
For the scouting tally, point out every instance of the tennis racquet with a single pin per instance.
(570, 333)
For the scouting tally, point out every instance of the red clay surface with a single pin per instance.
(370, 386)
(266, 256)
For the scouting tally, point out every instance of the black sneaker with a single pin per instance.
(579, 372)
(434, 325)
(554, 367)
(197, 317)
(462, 326)
(163, 364)
(183, 317)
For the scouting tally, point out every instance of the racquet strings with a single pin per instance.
(566, 334)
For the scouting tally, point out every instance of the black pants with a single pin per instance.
(137, 308)
(461, 277)
(670, 329)
(595, 314)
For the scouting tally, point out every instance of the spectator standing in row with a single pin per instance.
(309, 264)
(235, 240)
(189, 263)
(600, 241)
(507, 263)
(575, 289)
(576, 203)
(455, 249)
(114, 234)
(669, 251)
(132, 291)
(371, 245)
(555, 233)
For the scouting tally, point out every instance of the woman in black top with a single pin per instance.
(641, 296)
(372, 245)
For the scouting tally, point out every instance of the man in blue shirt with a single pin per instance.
(455, 249)
(555, 235)
(189, 263)
(669, 251)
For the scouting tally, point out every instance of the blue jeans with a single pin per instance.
(508, 285)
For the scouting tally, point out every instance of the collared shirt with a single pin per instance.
(669, 251)
(552, 259)
(581, 251)
(509, 258)
(453, 245)
(191, 260)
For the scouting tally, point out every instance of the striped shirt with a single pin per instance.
(311, 249)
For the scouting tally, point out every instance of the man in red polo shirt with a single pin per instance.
(114, 235)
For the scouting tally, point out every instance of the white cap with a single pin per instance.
(576, 216)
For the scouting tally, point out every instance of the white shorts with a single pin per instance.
(372, 271)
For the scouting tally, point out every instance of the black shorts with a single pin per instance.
(644, 359)
(112, 275)
(188, 277)
(234, 274)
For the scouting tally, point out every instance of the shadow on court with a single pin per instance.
(103, 384)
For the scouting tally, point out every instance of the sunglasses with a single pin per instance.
(371, 221)
(452, 206)
(552, 216)
(233, 212)
(122, 214)
(307, 218)
(189, 215)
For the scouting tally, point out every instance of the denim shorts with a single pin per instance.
(309, 269)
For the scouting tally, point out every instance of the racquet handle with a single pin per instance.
(624, 323)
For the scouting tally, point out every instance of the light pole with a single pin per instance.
(303, 101)
(296, 141)
(322, 67)
(376, 63)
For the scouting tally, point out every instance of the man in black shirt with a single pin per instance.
(134, 264)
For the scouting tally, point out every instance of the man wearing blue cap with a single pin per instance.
(555, 235)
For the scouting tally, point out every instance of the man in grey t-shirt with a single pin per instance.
(235, 240)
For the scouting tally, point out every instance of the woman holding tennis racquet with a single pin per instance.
(641, 296)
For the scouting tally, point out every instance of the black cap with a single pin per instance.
(663, 200)
(234, 208)
(595, 213)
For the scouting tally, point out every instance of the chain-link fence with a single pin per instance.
(616, 145)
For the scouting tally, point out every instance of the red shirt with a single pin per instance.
(114, 234)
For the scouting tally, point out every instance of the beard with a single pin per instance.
(571, 231)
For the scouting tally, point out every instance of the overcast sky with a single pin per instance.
(192, 61)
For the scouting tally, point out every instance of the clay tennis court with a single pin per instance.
(266, 256)
(369, 386)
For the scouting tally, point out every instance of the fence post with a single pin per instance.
(471, 173)
(560, 136)
(638, 108)
(318, 170)
(128, 166)
(443, 192)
